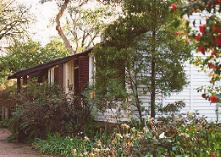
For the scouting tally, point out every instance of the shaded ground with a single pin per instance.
(15, 150)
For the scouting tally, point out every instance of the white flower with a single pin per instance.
(74, 152)
(85, 153)
(145, 129)
(190, 114)
(133, 129)
(162, 135)
(86, 138)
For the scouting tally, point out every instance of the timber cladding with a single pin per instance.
(83, 72)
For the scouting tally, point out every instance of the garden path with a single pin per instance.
(15, 150)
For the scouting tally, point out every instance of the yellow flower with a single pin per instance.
(133, 129)
(125, 126)
(74, 152)
(98, 143)
(145, 129)
(96, 150)
(114, 141)
(91, 155)
(119, 136)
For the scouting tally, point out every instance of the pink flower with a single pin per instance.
(173, 6)
(218, 41)
(178, 33)
(214, 53)
(213, 155)
(216, 28)
(202, 28)
(198, 37)
(202, 49)
(210, 65)
(213, 99)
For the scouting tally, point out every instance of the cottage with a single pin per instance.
(71, 73)
(75, 72)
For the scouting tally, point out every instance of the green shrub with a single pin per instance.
(194, 137)
(66, 146)
(43, 110)
(4, 123)
(172, 135)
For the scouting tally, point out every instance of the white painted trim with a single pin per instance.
(91, 71)
(65, 77)
(51, 81)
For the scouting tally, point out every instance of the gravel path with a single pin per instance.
(15, 150)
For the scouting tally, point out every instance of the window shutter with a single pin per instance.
(58, 75)
(61, 75)
(83, 72)
(76, 78)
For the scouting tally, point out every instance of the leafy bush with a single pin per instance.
(4, 123)
(172, 135)
(193, 137)
(45, 109)
(57, 145)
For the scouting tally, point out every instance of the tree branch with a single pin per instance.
(59, 29)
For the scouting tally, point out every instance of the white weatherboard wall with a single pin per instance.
(193, 98)
(196, 78)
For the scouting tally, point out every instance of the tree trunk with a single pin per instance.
(133, 84)
(139, 108)
(153, 87)
(59, 29)
(153, 72)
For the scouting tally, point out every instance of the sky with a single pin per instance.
(42, 29)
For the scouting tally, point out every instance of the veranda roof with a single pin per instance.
(37, 69)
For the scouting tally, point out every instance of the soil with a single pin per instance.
(15, 150)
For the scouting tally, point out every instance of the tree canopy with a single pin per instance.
(14, 19)
(149, 40)
(22, 55)
(79, 26)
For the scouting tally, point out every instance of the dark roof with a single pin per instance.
(38, 68)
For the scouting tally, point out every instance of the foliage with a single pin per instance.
(4, 123)
(206, 39)
(14, 19)
(144, 43)
(45, 109)
(7, 94)
(164, 137)
(57, 145)
(26, 55)
(84, 25)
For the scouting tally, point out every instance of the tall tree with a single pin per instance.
(14, 19)
(146, 40)
(22, 55)
(83, 25)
